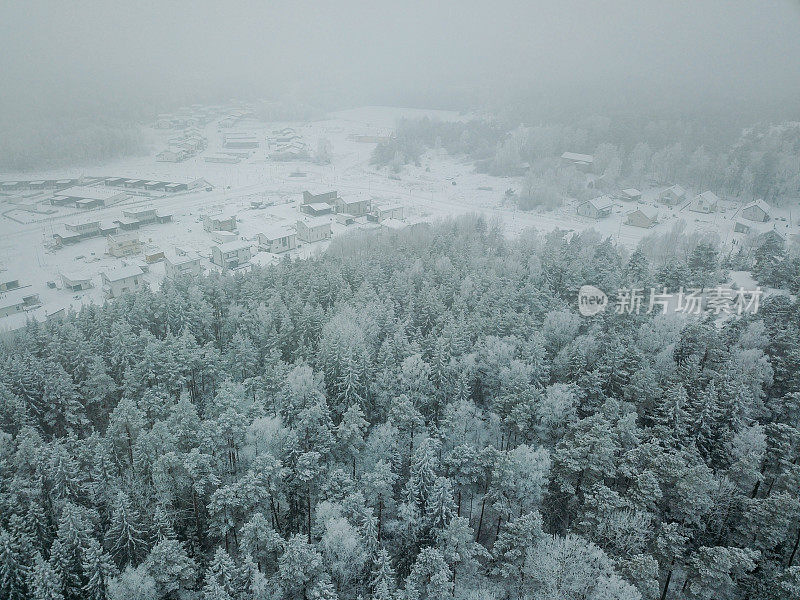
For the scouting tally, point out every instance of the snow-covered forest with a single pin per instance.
(414, 415)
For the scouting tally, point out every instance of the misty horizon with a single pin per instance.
(135, 60)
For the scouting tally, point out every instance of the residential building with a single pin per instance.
(219, 222)
(123, 244)
(313, 229)
(352, 206)
(596, 208)
(122, 280)
(316, 209)
(180, 264)
(75, 282)
(8, 283)
(277, 240)
(707, 202)
(758, 211)
(672, 195)
(231, 254)
(386, 211)
(84, 196)
(630, 195)
(642, 217)
(17, 301)
(327, 197)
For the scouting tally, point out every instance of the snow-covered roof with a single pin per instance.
(122, 273)
(319, 206)
(233, 246)
(708, 196)
(181, 259)
(760, 204)
(675, 189)
(601, 202)
(650, 213)
(632, 192)
(312, 222)
(276, 232)
(88, 192)
(587, 158)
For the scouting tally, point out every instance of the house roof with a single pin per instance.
(123, 237)
(600, 203)
(276, 232)
(181, 259)
(88, 192)
(632, 192)
(319, 205)
(648, 212)
(312, 222)
(587, 158)
(122, 273)
(708, 196)
(760, 204)
(676, 189)
(235, 245)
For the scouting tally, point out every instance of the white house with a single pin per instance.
(176, 264)
(231, 254)
(313, 229)
(630, 195)
(219, 222)
(123, 244)
(672, 195)
(596, 208)
(707, 202)
(277, 240)
(119, 281)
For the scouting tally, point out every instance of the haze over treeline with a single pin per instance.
(131, 60)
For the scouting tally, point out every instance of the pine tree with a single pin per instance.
(126, 535)
(98, 568)
(43, 582)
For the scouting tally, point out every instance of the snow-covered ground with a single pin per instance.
(440, 187)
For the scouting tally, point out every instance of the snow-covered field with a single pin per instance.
(440, 187)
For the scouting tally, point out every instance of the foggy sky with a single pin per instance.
(61, 57)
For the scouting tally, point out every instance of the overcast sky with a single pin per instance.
(58, 55)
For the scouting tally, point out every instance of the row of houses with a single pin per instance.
(601, 207)
(87, 197)
(41, 184)
(156, 185)
(133, 218)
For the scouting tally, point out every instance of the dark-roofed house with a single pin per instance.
(317, 209)
(757, 211)
(327, 197)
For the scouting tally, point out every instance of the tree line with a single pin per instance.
(411, 415)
